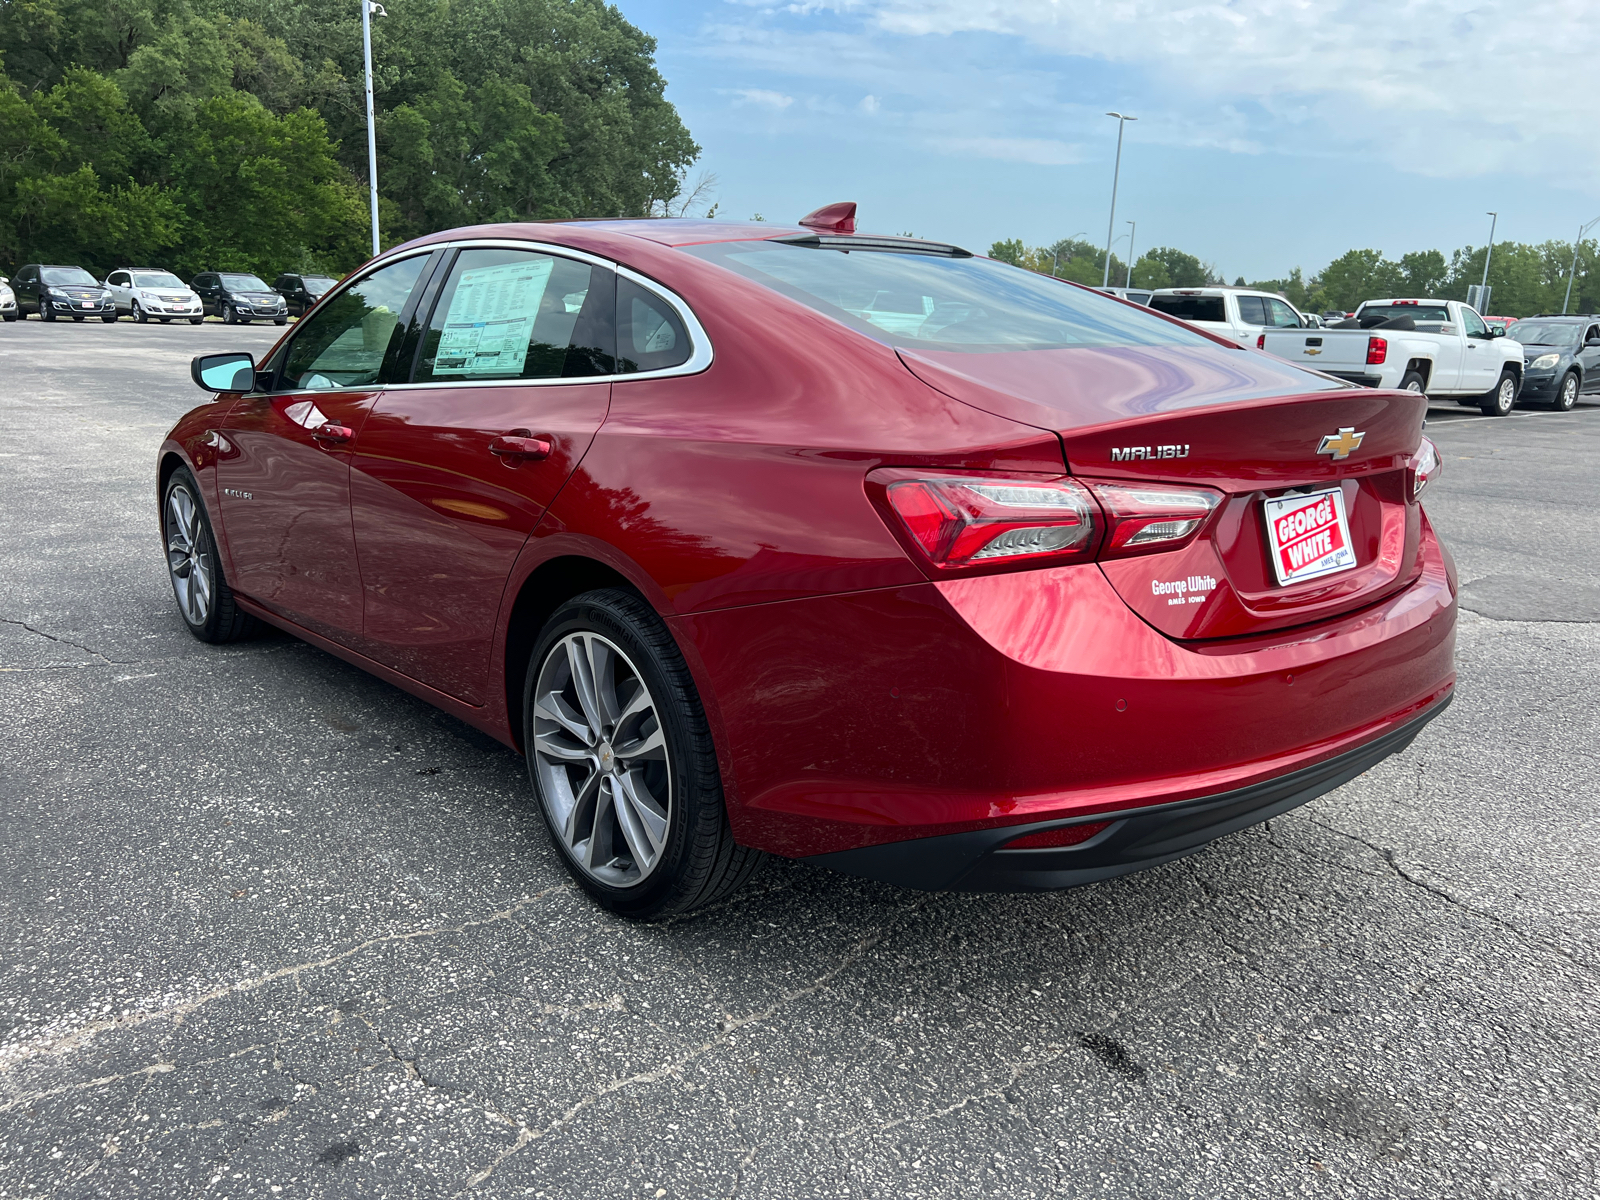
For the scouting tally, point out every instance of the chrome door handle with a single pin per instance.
(519, 444)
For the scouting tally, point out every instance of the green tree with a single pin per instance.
(1359, 275)
(1151, 272)
(1009, 251)
(1184, 270)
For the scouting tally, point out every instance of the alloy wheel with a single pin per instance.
(601, 758)
(1569, 393)
(189, 556)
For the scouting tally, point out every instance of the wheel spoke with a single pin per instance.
(551, 743)
(651, 745)
(644, 813)
(584, 798)
(597, 847)
(552, 707)
(583, 684)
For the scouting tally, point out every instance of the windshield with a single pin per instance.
(69, 277)
(317, 284)
(1417, 312)
(156, 279)
(935, 302)
(1544, 333)
(1190, 308)
(244, 283)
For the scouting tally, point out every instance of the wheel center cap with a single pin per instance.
(608, 756)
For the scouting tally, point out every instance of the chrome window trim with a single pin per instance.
(700, 357)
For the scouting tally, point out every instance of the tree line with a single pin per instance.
(231, 134)
(1526, 279)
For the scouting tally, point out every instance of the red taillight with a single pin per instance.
(1144, 517)
(1377, 351)
(1065, 835)
(1261, 341)
(974, 522)
(1423, 468)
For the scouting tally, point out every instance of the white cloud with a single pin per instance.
(869, 104)
(1040, 151)
(762, 98)
(1435, 87)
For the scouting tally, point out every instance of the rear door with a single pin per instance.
(454, 469)
(285, 474)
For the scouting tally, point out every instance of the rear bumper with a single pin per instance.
(1136, 839)
(1360, 377)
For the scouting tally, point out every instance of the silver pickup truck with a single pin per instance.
(1441, 347)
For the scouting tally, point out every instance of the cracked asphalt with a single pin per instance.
(269, 927)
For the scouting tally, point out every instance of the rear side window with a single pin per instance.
(650, 335)
(938, 301)
(1253, 310)
(1190, 308)
(519, 314)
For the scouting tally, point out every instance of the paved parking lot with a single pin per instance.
(269, 927)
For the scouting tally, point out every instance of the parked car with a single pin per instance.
(1501, 323)
(1440, 347)
(1333, 315)
(1561, 357)
(8, 300)
(239, 298)
(146, 292)
(1237, 313)
(1136, 295)
(59, 292)
(300, 292)
(753, 538)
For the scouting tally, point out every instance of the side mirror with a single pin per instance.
(1497, 331)
(224, 372)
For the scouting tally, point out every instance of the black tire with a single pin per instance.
(1413, 382)
(219, 619)
(698, 862)
(1499, 400)
(1566, 395)
(166, 320)
(12, 316)
(196, 320)
(280, 320)
(140, 317)
(76, 319)
(109, 318)
(229, 317)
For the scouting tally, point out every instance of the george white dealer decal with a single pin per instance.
(1192, 590)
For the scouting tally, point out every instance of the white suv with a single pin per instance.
(8, 300)
(1238, 313)
(148, 292)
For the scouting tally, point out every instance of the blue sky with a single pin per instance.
(1272, 133)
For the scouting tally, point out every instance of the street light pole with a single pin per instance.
(1570, 274)
(1055, 255)
(1133, 228)
(1489, 253)
(1116, 172)
(370, 9)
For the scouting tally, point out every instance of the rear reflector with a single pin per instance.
(1151, 517)
(1066, 835)
(1424, 467)
(960, 522)
(1377, 351)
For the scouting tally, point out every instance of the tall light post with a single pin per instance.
(1133, 228)
(1055, 255)
(1583, 229)
(1489, 253)
(370, 9)
(1116, 172)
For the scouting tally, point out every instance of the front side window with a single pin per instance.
(1281, 315)
(344, 344)
(117, 279)
(1472, 323)
(518, 314)
(939, 301)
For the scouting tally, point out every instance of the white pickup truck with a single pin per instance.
(1441, 347)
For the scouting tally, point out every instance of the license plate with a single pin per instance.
(1309, 535)
(88, 303)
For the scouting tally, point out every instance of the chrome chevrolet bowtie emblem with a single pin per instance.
(1341, 444)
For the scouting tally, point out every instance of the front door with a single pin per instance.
(453, 471)
(286, 479)
(1589, 358)
(1480, 360)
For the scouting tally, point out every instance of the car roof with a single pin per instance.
(1403, 300)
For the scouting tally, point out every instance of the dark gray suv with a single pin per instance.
(57, 293)
(1561, 359)
(238, 298)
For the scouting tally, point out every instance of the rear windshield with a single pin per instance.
(244, 283)
(1190, 308)
(1544, 333)
(68, 277)
(934, 302)
(1417, 312)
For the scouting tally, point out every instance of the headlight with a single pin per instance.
(1544, 362)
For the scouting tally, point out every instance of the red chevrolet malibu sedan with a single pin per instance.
(862, 550)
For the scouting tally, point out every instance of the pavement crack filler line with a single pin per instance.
(49, 1044)
(726, 1028)
(62, 641)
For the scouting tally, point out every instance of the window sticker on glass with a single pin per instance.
(490, 322)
